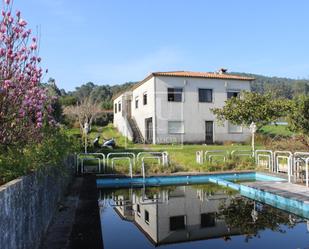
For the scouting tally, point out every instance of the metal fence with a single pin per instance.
(101, 162)
(295, 165)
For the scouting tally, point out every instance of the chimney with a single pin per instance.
(222, 71)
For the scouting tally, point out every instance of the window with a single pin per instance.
(145, 99)
(136, 102)
(234, 128)
(115, 108)
(174, 94)
(232, 94)
(205, 95)
(119, 106)
(146, 216)
(138, 209)
(208, 220)
(177, 223)
(176, 127)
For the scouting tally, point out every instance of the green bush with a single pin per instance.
(53, 149)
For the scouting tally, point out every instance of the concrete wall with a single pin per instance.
(27, 206)
(192, 112)
(143, 111)
(120, 117)
(140, 114)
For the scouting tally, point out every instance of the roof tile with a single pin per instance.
(207, 75)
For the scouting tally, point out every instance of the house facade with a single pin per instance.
(173, 216)
(175, 107)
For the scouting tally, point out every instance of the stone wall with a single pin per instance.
(28, 204)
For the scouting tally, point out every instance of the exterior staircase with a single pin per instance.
(137, 135)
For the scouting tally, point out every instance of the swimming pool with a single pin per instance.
(209, 210)
(184, 179)
(195, 215)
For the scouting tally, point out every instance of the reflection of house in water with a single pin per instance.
(183, 214)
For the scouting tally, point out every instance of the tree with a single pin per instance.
(84, 91)
(239, 212)
(279, 90)
(253, 107)
(101, 94)
(67, 100)
(84, 111)
(298, 117)
(24, 104)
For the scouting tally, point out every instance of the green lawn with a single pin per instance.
(105, 133)
(181, 156)
(276, 130)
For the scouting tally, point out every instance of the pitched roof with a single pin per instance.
(188, 74)
(208, 75)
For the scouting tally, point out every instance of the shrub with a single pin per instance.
(51, 151)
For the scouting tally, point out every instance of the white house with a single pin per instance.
(175, 107)
(182, 214)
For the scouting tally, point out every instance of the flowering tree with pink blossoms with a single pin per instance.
(24, 105)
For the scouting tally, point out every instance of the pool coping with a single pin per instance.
(125, 181)
(182, 173)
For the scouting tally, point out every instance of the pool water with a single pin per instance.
(195, 216)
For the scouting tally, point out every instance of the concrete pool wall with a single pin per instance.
(27, 206)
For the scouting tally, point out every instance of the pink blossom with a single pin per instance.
(34, 46)
(2, 51)
(22, 22)
(26, 103)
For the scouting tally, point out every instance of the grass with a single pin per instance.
(105, 133)
(181, 156)
(276, 130)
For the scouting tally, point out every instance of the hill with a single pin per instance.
(278, 86)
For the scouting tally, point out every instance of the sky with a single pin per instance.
(116, 41)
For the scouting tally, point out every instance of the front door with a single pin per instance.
(209, 132)
(129, 103)
(149, 130)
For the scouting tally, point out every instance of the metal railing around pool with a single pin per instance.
(120, 154)
(307, 173)
(199, 157)
(265, 153)
(164, 155)
(299, 164)
(123, 158)
(293, 164)
(90, 159)
(242, 153)
(143, 163)
(82, 157)
(210, 154)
